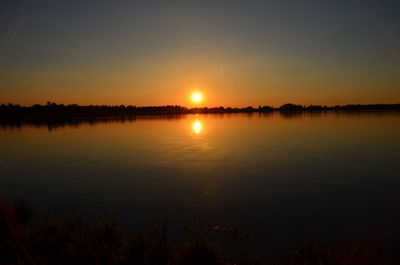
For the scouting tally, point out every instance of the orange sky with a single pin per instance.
(237, 54)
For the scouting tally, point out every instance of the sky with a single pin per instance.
(237, 53)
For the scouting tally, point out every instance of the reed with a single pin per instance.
(65, 240)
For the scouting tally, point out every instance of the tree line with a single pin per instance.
(74, 109)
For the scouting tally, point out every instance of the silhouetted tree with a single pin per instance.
(291, 107)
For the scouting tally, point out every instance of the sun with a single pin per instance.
(197, 97)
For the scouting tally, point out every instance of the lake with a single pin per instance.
(332, 175)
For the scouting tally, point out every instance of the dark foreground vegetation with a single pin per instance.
(66, 240)
(12, 110)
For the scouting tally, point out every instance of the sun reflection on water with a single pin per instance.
(197, 126)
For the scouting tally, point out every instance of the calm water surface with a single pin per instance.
(333, 175)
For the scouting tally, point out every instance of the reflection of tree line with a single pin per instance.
(55, 115)
(54, 122)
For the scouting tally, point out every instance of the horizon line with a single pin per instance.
(50, 103)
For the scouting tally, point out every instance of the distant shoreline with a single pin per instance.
(53, 110)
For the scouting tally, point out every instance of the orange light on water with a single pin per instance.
(197, 126)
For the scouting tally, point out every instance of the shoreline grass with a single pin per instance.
(67, 240)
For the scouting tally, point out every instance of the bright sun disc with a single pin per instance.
(197, 97)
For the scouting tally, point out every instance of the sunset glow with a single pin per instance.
(228, 121)
(261, 53)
